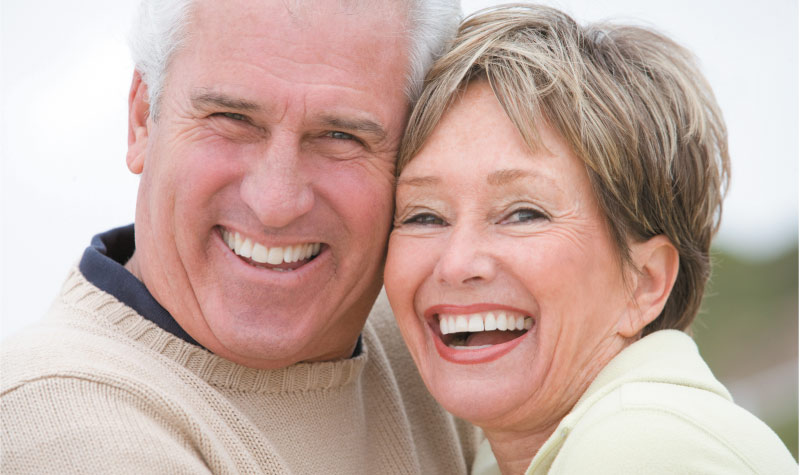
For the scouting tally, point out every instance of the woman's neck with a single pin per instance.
(515, 450)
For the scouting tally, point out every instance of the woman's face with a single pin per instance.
(486, 231)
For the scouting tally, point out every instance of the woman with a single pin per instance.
(558, 190)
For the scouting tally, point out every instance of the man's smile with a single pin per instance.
(277, 258)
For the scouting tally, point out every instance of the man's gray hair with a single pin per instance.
(159, 30)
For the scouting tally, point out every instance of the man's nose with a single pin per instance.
(467, 258)
(277, 187)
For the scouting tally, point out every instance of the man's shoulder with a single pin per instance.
(86, 334)
(73, 400)
(387, 342)
(55, 349)
(75, 395)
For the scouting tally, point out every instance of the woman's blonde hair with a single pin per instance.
(632, 105)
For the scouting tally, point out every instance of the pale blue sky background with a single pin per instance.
(65, 78)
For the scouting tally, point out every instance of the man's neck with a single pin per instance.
(132, 266)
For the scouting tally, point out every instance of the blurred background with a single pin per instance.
(65, 77)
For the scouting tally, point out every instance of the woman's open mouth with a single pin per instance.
(481, 329)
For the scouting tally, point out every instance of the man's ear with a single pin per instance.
(656, 262)
(138, 131)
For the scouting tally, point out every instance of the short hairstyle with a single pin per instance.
(631, 104)
(159, 30)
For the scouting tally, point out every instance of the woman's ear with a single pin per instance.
(656, 262)
(138, 127)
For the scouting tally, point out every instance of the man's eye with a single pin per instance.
(341, 135)
(524, 215)
(233, 116)
(424, 219)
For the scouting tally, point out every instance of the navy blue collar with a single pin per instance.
(102, 265)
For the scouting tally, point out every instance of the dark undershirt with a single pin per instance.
(102, 265)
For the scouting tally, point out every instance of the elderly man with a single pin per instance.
(233, 339)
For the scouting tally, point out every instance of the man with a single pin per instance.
(265, 134)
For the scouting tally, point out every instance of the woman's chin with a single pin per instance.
(483, 402)
(492, 384)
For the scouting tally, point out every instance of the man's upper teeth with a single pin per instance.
(245, 247)
(485, 321)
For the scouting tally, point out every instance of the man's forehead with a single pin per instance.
(335, 30)
(346, 76)
(304, 7)
(303, 11)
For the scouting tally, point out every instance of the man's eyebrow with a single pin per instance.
(364, 126)
(204, 100)
(418, 181)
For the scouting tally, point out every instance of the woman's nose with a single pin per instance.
(466, 259)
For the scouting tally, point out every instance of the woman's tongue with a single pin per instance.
(492, 337)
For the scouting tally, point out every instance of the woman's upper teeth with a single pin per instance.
(245, 247)
(484, 321)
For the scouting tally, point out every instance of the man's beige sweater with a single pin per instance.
(96, 388)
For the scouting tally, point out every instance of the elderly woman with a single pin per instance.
(558, 190)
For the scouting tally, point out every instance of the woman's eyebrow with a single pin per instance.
(511, 175)
(506, 176)
(418, 181)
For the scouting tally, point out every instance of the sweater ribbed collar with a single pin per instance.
(121, 321)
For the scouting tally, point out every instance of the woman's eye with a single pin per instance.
(524, 215)
(425, 219)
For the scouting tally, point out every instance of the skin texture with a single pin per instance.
(491, 224)
(275, 125)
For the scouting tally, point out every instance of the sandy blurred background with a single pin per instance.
(65, 78)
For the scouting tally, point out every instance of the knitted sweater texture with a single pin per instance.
(96, 388)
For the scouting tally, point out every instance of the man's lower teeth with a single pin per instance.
(458, 347)
(264, 266)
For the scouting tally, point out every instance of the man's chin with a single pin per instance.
(275, 343)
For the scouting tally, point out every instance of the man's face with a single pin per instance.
(277, 127)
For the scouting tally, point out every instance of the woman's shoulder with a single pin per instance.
(644, 426)
(658, 408)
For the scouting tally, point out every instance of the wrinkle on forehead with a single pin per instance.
(292, 64)
(339, 67)
(363, 37)
(298, 10)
